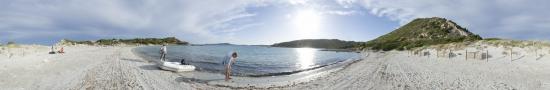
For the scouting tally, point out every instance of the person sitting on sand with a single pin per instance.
(61, 51)
(163, 52)
(227, 62)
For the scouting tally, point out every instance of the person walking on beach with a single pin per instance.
(163, 53)
(227, 62)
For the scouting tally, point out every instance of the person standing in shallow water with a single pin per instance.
(227, 62)
(163, 52)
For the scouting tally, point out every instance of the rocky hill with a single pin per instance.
(422, 32)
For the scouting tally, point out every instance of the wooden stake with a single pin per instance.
(487, 55)
(536, 50)
(475, 55)
(437, 54)
(510, 55)
(466, 54)
(450, 52)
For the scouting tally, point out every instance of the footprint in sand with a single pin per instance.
(46, 60)
(546, 85)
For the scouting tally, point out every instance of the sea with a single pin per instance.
(252, 61)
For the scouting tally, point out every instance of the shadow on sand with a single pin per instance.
(518, 58)
(149, 67)
(194, 80)
(134, 60)
(540, 56)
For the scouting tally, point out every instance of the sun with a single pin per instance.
(307, 22)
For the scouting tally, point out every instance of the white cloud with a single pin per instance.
(200, 19)
(299, 2)
(344, 13)
(124, 18)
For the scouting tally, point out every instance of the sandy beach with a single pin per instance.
(87, 67)
(93, 67)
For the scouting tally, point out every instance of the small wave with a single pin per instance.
(296, 71)
(206, 63)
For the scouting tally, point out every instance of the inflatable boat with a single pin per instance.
(176, 67)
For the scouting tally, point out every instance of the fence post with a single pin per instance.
(450, 52)
(487, 55)
(475, 55)
(533, 45)
(437, 54)
(510, 55)
(536, 50)
(466, 54)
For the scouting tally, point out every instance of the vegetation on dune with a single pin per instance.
(491, 39)
(136, 41)
(480, 44)
(11, 44)
(319, 43)
(78, 42)
(421, 32)
(516, 43)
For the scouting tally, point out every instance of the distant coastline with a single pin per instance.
(212, 44)
(319, 43)
(135, 41)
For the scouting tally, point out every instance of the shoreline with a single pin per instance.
(209, 63)
(264, 82)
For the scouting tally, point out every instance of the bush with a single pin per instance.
(11, 43)
(492, 39)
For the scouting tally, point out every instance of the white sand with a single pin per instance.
(87, 67)
(400, 70)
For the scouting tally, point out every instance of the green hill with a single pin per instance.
(318, 43)
(421, 32)
(135, 41)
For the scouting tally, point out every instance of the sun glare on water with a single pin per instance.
(305, 57)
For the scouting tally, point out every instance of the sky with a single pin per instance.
(260, 22)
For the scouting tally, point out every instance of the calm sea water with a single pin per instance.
(253, 61)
